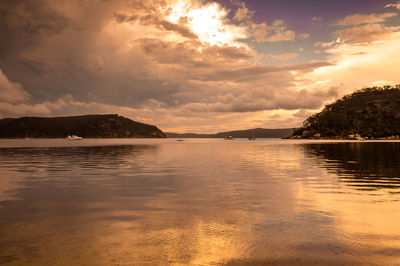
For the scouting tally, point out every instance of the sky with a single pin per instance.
(193, 65)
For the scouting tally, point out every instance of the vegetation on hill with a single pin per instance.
(87, 126)
(368, 113)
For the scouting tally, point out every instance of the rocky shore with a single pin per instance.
(307, 135)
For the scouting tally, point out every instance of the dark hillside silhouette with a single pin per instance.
(87, 126)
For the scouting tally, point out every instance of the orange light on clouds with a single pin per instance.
(208, 22)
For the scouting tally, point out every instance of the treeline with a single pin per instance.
(369, 113)
(87, 126)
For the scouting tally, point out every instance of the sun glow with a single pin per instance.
(208, 22)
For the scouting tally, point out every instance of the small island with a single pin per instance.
(370, 113)
(87, 126)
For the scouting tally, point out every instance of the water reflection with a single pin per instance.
(363, 166)
(199, 203)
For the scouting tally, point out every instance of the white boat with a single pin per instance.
(73, 137)
(229, 138)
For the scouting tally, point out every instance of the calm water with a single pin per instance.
(199, 202)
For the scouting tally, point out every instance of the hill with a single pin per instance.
(368, 113)
(87, 126)
(258, 133)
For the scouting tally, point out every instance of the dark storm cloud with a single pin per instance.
(185, 32)
(23, 22)
(78, 48)
(187, 53)
(73, 56)
(156, 21)
(234, 53)
(266, 99)
(32, 66)
(258, 72)
(125, 18)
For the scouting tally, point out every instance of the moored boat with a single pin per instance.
(73, 137)
(253, 137)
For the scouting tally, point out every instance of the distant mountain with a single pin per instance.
(368, 113)
(258, 133)
(87, 126)
(188, 135)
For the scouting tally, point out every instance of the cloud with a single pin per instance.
(324, 44)
(285, 35)
(366, 33)
(243, 13)
(287, 99)
(187, 64)
(358, 19)
(65, 105)
(188, 52)
(257, 72)
(207, 20)
(138, 60)
(11, 91)
(327, 44)
(397, 5)
(22, 109)
(316, 19)
(180, 28)
(302, 113)
(272, 33)
(284, 57)
(277, 32)
(24, 22)
(184, 31)
(303, 36)
(363, 28)
(369, 62)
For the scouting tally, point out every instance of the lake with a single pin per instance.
(199, 202)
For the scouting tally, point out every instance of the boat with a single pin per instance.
(179, 140)
(229, 138)
(253, 137)
(73, 137)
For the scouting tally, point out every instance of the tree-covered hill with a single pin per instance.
(368, 113)
(87, 126)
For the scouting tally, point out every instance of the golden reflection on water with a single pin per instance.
(366, 213)
(7, 185)
(201, 202)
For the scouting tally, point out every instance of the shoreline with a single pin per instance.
(308, 135)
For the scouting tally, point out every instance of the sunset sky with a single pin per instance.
(193, 65)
